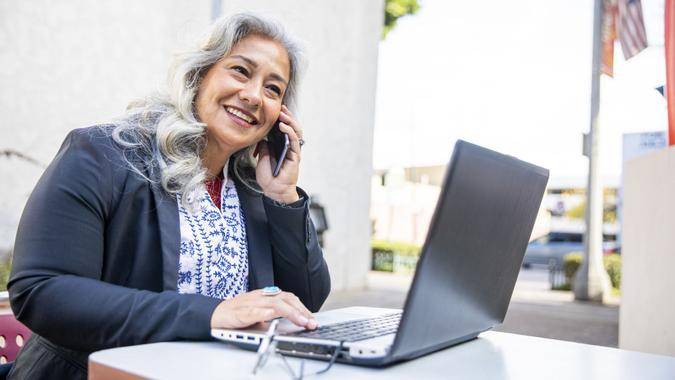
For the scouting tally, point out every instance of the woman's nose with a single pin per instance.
(251, 93)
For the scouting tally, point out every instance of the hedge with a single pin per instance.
(612, 264)
(5, 268)
(397, 257)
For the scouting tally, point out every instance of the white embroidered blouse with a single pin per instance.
(213, 247)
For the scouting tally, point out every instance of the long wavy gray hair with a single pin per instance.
(162, 131)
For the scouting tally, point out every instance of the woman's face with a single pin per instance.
(239, 97)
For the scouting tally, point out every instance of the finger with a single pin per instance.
(287, 111)
(289, 120)
(292, 136)
(282, 309)
(295, 302)
(292, 156)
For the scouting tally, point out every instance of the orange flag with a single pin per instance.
(608, 36)
(670, 68)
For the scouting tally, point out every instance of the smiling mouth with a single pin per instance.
(247, 118)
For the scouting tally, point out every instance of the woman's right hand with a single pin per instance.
(249, 308)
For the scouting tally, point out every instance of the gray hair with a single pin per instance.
(163, 132)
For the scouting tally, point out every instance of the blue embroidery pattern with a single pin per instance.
(213, 249)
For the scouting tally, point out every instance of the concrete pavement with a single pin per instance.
(534, 310)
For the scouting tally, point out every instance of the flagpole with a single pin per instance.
(591, 282)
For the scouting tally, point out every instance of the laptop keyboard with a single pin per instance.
(352, 331)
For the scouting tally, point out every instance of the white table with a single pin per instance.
(493, 355)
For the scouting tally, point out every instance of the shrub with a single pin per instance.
(613, 268)
(5, 268)
(571, 263)
(612, 264)
(404, 249)
(394, 256)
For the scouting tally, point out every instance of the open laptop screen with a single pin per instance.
(473, 252)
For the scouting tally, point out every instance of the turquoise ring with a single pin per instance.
(271, 290)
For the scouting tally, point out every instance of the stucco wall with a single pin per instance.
(75, 63)
(648, 277)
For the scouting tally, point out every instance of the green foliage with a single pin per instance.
(571, 263)
(402, 257)
(579, 212)
(612, 264)
(395, 257)
(609, 214)
(613, 268)
(395, 9)
(5, 268)
(405, 249)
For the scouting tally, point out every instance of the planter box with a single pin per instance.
(387, 261)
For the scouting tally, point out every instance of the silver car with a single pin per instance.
(551, 249)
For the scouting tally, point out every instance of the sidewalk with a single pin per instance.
(534, 310)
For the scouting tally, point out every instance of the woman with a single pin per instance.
(163, 226)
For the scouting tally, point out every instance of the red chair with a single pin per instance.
(13, 335)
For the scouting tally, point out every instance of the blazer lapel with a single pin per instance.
(169, 233)
(260, 272)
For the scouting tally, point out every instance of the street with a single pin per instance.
(538, 311)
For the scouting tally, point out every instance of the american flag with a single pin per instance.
(631, 27)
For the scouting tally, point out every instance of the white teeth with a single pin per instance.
(239, 114)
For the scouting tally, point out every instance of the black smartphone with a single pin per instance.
(278, 144)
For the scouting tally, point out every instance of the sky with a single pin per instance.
(515, 77)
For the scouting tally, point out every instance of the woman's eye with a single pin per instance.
(240, 70)
(275, 89)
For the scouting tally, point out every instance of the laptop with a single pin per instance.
(464, 279)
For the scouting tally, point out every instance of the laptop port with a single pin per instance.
(305, 349)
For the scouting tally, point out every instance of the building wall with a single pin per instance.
(71, 64)
(402, 211)
(74, 63)
(647, 307)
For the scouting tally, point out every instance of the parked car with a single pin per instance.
(551, 248)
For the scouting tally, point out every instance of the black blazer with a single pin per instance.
(96, 259)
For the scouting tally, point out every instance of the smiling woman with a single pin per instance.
(240, 98)
(170, 117)
(169, 222)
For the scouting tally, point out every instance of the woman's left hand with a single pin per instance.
(281, 188)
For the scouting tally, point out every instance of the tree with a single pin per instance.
(395, 9)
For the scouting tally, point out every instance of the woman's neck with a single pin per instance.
(214, 161)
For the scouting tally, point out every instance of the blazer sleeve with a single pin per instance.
(56, 288)
(299, 266)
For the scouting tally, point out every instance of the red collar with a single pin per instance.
(215, 186)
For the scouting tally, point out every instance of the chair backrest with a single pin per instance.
(13, 335)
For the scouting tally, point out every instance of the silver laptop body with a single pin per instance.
(465, 275)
